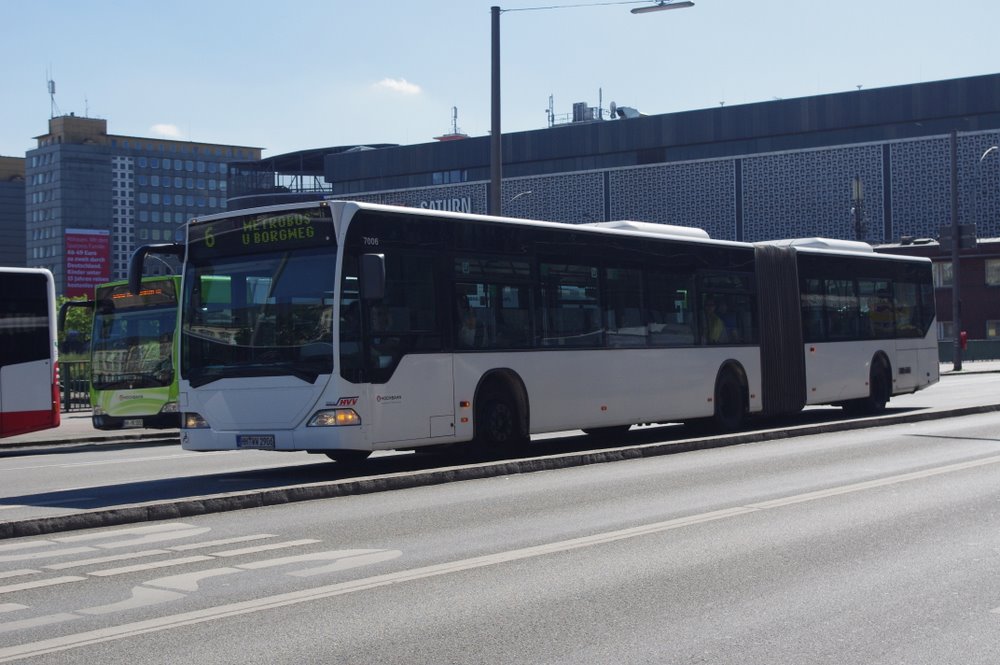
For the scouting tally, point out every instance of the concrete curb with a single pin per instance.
(99, 439)
(218, 503)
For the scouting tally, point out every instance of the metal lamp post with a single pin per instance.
(494, 206)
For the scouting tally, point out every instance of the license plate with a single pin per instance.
(132, 422)
(255, 441)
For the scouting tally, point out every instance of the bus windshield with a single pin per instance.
(132, 345)
(266, 314)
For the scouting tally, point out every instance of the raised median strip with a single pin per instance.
(218, 503)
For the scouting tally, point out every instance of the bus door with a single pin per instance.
(405, 376)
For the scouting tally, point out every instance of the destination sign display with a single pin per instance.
(274, 231)
(159, 292)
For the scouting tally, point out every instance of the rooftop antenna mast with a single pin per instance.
(53, 107)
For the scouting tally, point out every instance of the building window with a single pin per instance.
(946, 330)
(992, 329)
(942, 274)
(992, 272)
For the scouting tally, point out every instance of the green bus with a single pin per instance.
(133, 354)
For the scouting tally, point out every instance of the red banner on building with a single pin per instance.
(88, 260)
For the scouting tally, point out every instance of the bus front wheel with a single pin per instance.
(498, 423)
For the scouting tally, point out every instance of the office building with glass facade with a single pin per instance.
(83, 184)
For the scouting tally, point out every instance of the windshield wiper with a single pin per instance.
(208, 376)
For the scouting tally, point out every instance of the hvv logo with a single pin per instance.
(347, 401)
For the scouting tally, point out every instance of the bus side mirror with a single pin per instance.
(372, 276)
(135, 263)
(66, 306)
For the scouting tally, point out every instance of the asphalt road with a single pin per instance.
(865, 546)
(51, 488)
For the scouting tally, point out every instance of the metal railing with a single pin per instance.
(74, 385)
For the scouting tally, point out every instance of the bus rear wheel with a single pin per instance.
(879, 392)
(730, 405)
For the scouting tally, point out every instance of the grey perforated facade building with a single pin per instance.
(777, 169)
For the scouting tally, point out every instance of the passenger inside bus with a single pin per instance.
(469, 331)
(715, 328)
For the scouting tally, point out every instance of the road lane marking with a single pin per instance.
(19, 573)
(221, 542)
(108, 572)
(266, 548)
(349, 562)
(155, 538)
(11, 607)
(329, 555)
(30, 545)
(189, 581)
(872, 484)
(38, 584)
(168, 622)
(129, 531)
(141, 597)
(37, 622)
(29, 556)
(104, 559)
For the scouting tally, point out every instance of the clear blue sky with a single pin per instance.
(301, 74)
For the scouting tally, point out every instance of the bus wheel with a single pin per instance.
(348, 457)
(498, 423)
(730, 407)
(879, 392)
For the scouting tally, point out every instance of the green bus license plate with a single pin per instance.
(132, 422)
(255, 441)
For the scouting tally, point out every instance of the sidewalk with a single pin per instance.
(971, 367)
(76, 428)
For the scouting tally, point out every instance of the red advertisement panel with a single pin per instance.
(88, 260)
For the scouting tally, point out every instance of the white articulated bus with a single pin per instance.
(29, 384)
(344, 328)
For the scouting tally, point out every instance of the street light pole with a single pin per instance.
(493, 204)
(956, 241)
(496, 161)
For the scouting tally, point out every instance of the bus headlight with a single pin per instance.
(170, 407)
(192, 420)
(334, 418)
